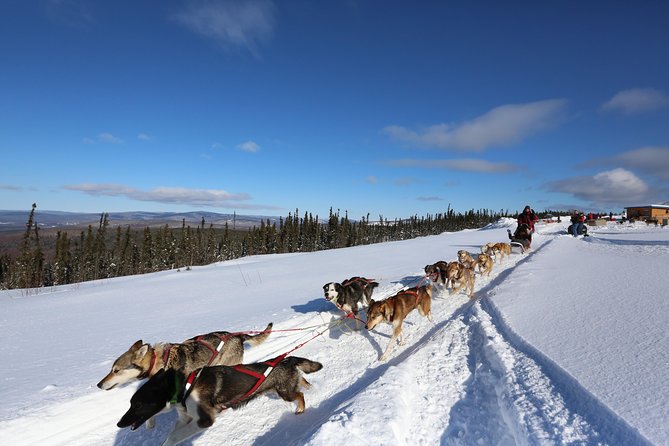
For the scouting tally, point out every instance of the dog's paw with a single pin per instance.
(150, 423)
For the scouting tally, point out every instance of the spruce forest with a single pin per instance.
(108, 251)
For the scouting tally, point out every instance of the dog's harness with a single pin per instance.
(261, 377)
(214, 353)
(409, 291)
(362, 280)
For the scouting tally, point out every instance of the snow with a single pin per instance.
(564, 344)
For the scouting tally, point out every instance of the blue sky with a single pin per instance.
(391, 108)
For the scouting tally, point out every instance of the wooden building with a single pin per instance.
(652, 213)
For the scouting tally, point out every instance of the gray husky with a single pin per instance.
(144, 360)
(213, 390)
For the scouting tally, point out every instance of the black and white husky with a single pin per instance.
(351, 294)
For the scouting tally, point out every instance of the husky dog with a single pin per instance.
(437, 272)
(214, 390)
(466, 258)
(500, 250)
(462, 275)
(395, 308)
(487, 248)
(144, 360)
(484, 262)
(350, 294)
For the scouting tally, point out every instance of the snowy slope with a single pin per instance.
(564, 345)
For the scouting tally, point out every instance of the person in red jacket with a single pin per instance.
(529, 217)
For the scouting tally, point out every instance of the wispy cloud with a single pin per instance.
(249, 146)
(462, 165)
(144, 137)
(371, 179)
(618, 187)
(109, 138)
(172, 195)
(636, 100)
(231, 24)
(430, 198)
(11, 187)
(501, 126)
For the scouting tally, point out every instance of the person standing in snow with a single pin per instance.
(528, 217)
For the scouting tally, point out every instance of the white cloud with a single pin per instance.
(88, 141)
(463, 165)
(501, 126)
(233, 23)
(249, 146)
(430, 198)
(144, 137)
(372, 179)
(636, 100)
(612, 187)
(650, 160)
(109, 138)
(173, 195)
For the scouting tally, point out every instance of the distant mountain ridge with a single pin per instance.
(11, 220)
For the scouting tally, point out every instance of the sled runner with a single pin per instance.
(517, 247)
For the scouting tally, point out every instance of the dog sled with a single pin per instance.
(520, 240)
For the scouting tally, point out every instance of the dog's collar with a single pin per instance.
(151, 364)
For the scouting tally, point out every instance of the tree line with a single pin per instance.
(103, 252)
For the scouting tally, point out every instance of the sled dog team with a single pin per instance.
(204, 375)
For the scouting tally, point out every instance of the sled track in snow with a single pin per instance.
(591, 421)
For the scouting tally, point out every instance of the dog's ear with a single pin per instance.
(136, 345)
(141, 351)
(387, 311)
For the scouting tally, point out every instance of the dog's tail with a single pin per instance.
(304, 364)
(259, 338)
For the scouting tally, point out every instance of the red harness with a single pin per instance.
(409, 291)
(214, 352)
(261, 377)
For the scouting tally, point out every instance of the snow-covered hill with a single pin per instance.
(563, 345)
